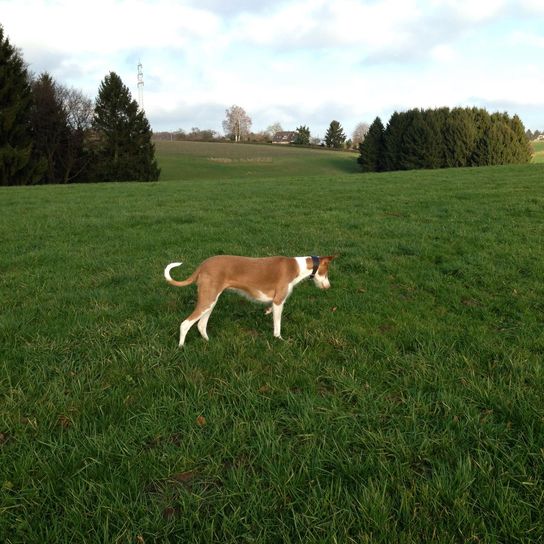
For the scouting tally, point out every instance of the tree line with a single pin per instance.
(53, 134)
(536, 135)
(443, 138)
(237, 128)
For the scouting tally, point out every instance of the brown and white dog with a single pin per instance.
(268, 279)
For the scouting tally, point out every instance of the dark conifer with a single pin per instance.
(440, 138)
(335, 136)
(372, 148)
(481, 121)
(303, 135)
(49, 127)
(17, 164)
(125, 151)
(523, 151)
(420, 144)
(393, 135)
(458, 136)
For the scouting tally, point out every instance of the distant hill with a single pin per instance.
(214, 160)
(538, 150)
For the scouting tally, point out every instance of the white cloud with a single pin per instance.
(293, 61)
(527, 38)
(443, 53)
(471, 11)
(535, 7)
(321, 24)
(106, 26)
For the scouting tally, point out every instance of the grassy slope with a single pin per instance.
(538, 148)
(406, 404)
(226, 161)
(198, 160)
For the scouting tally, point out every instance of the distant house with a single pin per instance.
(284, 137)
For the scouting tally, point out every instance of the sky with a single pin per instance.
(293, 62)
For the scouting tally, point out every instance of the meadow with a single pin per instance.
(404, 405)
(202, 160)
(538, 149)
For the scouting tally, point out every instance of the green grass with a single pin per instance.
(405, 404)
(538, 149)
(228, 161)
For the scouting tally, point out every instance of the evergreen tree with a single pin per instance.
(303, 136)
(124, 151)
(481, 152)
(393, 135)
(523, 151)
(501, 140)
(440, 138)
(420, 143)
(438, 119)
(458, 137)
(372, 148)
(335, 136)
(501, 143)
(17, 165)
(49, 127)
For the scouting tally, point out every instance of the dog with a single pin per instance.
(267, 279)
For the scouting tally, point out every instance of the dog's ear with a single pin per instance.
(331, 257)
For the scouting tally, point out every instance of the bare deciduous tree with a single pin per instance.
(79, 109)
(359, 134)
(237, 123)
(79, 116)
(272, 130)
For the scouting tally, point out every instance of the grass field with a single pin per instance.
(538, 148)
(227, 161)
(405, 404)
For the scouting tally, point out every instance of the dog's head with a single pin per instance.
(321, 278)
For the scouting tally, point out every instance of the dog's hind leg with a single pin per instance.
(203, 322)
(184, 329)
(204, 307)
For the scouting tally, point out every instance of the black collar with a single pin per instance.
(315, 260)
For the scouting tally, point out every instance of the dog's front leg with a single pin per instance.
(276, 314)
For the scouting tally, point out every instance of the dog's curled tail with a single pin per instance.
(171, 281)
